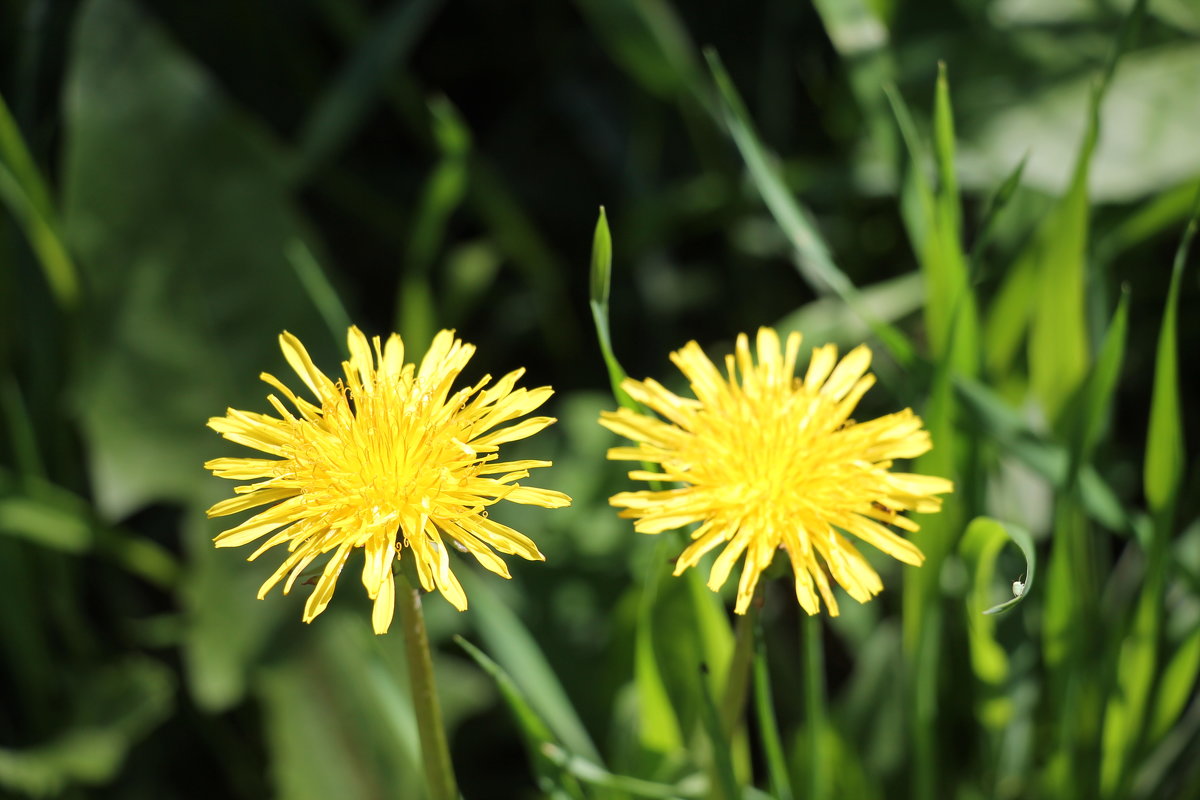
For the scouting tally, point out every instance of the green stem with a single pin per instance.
(814, 704)
(737, 679)
(781, 785)
(439, 773)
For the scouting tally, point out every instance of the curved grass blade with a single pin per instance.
(518, 652)
(981, 544)
(593, 774)
(813, 258)
(552, 776)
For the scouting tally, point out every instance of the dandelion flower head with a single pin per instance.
(389, 460)
(764, 460)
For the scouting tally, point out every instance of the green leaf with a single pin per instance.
(695, 785)
(647, 38)
(536, 733)
(1176, 686)
(935, 229)
(182, 232)
(516, 650)
(345, 105)
(1164, 442)
(1091, 406)
(813, 258)
(659, 729)
(24, 191)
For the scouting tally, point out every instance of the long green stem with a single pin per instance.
(733, 700)
(814, 704)
(439, 773)
(781, 785)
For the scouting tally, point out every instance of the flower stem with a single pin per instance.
(439, 772)
(814, 704)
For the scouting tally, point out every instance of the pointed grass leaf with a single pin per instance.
(515, 649)
(24, 192)
(346, 104)
(996, 204)
(933, 219)
(1176, 687)
(1164, 442)
(695, 785)
(553, 775)
(813, 258)
(1095, 397)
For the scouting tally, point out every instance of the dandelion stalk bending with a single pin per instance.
(767, 460)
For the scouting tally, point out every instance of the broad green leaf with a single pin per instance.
(115, 708)
(182, 232)
(1125, 713)
(1164, 441)
(813, 258)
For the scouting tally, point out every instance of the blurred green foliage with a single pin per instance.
(181, 181)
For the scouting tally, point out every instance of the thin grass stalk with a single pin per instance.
(435, 752)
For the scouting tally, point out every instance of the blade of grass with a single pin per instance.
(42, 231)
(516, 649)
(1163, 472)
(320, 290)
(813, 258)
(595, 775)
(552, 774)
(345, 105)
(998, 201)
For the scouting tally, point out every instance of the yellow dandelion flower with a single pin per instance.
(768, 460)
(388, 460)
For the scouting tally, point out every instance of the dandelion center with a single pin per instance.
(388, 460)
(769, 461)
